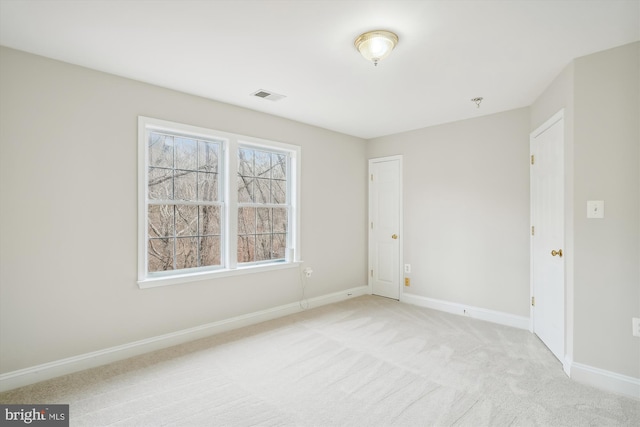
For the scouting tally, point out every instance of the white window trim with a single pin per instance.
(229, 169)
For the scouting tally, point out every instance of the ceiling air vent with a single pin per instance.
(265, 94)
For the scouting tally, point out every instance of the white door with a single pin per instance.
(547, 234)
(385, 234)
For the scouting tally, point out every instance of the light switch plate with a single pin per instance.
(595, 209)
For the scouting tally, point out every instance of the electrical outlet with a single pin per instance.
(407, 268)
(407, 281)
(635, 321)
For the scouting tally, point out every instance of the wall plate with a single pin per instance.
(595, 209)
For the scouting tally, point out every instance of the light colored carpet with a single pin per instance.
(368, 361)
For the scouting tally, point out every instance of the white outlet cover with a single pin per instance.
(595, 209)
(407, 268)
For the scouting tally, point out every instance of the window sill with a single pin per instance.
(194, 277)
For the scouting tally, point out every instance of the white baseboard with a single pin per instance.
(566, 364)
(599, 378)
(501, 318)
(605, 380)
(34, 374)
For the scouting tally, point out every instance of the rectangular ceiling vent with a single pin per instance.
(265, 94)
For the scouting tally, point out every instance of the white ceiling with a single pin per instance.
(449, 51)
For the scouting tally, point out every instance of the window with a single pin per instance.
(263, 210)
(213, 203)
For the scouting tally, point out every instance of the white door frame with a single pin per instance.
(397, 158)
(559, 116)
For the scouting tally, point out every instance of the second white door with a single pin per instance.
(547, 240)
(385, 226)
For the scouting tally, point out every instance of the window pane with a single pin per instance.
(245, 189)
(186, 220)
(208, 156)
(160, 184)
(262, 191)
(186, 153)
(245, 162)
(280, 219)
(267, 184)
(185, 185)
(262, 164)
(246, 248)
(246, 220)
(207, 186)
(160, 150)
(210, 251)
(279, 246)
(209, 220)
(160, 220)
(263, 222)
(186, 252)
(279, 192)
(160, 254)
(279, 164)
(263, 247)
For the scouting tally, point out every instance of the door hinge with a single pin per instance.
(533, 159)
(371, 177)
(533, 301)
(372, 225)
(533, 230)
(372, 273)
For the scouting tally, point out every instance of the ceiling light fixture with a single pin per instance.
(376, 45)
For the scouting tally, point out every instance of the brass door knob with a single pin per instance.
(395, 236)
(558, 253)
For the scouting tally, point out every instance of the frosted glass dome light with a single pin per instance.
(376, 45)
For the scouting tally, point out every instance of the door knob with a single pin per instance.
(558, 252)
(395, 236)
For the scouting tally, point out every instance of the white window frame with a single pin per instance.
(229, 168)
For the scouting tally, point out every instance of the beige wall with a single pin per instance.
(466, 210)
(606, 152)
(68, 203)
(600, 94)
